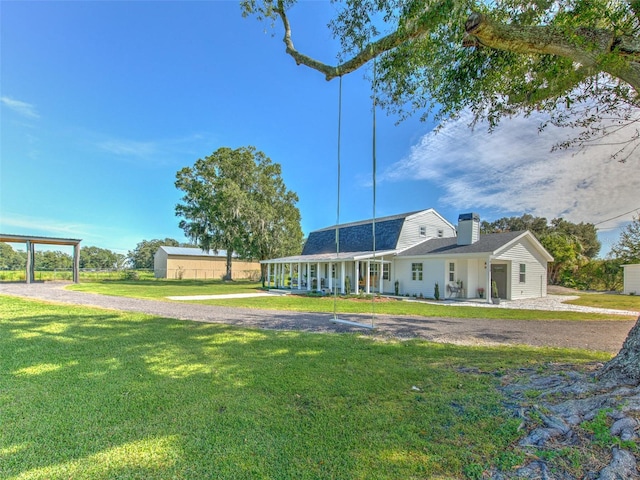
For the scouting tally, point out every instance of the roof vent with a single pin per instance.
(468, 228)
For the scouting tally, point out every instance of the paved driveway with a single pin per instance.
(594, 335)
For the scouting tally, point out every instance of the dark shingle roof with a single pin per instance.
(357, 236)
(485, 244)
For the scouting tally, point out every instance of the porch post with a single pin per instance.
(368, 281)
(356, 281)
(342, 270)
(331, 276)
(308, 276)
(488, 280)
(299, 276)
(381, 273)
(318, 283)
(268, 276)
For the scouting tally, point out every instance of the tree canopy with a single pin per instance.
(236, 200)
(96, 257)
(627, 248)
(578, 60)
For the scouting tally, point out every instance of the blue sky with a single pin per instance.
(103, 102)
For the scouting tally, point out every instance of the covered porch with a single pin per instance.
(343, 273)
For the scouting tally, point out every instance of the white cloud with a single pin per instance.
(17, 224)
(155, 151)
(23, 108)
(513, 171)
(129, 148)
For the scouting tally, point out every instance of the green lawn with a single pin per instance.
(96, 394)
(621, 302)
(160, 289)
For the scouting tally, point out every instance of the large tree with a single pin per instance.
(236, 200)
(578, 60)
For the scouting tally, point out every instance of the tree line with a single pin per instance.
(140, 257)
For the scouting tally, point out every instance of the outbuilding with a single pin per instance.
(631, 279)
(195, 263)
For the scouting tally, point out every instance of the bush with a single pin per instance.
(130, 275)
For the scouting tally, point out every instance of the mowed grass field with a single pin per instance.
(161, 289)
(98, 394)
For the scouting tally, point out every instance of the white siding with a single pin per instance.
(631, 279)
(535, 284)
(432, 223)
(432, 272)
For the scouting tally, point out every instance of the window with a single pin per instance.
(440, 233)
(423, 231)
(452, 271)
(333, 270)
(373, 269)
(523, 273)
(312, 273)
(386, 271)
(416, 271)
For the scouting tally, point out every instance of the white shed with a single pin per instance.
(631, 279)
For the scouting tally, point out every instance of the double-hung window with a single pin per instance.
(386, 271)
(452, 271)
(416, 271)
(523, 273)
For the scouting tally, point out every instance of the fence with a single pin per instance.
(66, 274)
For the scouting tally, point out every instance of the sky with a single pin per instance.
(102, 102)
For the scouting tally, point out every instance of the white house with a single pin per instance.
(631, 279)
(412, 253)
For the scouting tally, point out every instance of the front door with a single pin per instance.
(499, 275)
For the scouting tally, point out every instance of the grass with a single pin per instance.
(95, 394)
(621, 302)
(160, 289)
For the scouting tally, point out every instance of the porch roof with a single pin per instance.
(332, 257)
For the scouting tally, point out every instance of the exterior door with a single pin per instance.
(499, 275)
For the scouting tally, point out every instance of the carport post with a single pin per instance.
(76, 263)
(30, 254)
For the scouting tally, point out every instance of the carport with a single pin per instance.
(31, 242)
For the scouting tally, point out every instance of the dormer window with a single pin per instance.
(423, 231)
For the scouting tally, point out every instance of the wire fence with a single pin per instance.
(86, 274)
(94, 274)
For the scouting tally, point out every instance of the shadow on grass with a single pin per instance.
(89, 394)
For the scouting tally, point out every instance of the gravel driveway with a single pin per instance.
(593, 335)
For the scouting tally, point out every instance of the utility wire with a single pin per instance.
(613, 218)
